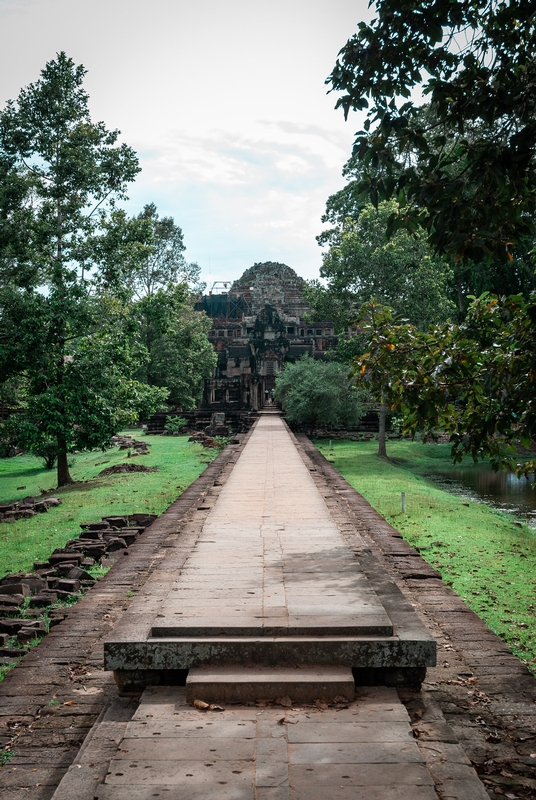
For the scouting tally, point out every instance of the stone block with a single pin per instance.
(28, 634)
(62, 556)
(52, 501)
(95, 526)
(42, 600)
(78, 574)
(12, 652)
(12, 600)
(90, 535)
(243, 684)
(116, 522)
(115, 544)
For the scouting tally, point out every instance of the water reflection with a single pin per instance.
(502, 490)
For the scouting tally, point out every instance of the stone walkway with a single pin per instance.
(270, 564)
(478, 702)
(364, 750)
(271, 580)
(270, 559)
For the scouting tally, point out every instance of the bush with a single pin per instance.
(318, 392)
(174, 424)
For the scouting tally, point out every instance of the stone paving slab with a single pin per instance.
(341, 792)
(167, 748)
(172, 750)
(315, 732)
(270, 529)
(235, 684)
(413, 775)
(391, 752)
(167, 792)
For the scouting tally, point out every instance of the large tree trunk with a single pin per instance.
(64, 476)
(382, 449)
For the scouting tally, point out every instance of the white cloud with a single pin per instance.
(224, 102)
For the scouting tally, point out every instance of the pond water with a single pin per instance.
(501, 490)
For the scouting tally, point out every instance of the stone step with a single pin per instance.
(358, 625)
(416, 650)
(246, 684)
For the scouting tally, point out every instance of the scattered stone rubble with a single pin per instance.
(26, 508)
(135, 446)
(208, 441)
(26, 598)
(126, 467)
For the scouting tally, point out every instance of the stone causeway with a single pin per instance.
(269, 637)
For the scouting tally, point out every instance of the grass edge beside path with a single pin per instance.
(178, 464)
(488, 558)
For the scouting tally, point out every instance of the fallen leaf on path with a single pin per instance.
(284, 701)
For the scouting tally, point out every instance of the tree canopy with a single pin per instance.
(361, 264)
(466, 170)
(180, 355)
(75, 344)
(474, 380)
(163, 262)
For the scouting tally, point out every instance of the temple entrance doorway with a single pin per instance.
(269, 386)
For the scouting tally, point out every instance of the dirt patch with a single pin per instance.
(118, 468)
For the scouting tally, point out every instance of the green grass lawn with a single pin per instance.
(488, 559)
(179, 463)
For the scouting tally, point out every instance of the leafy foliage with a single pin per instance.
(318, 392)
(465, 171)
(174, 424)
(474, 380)
(362, 264)
(180, 355)
(75, 345)
(163, 262)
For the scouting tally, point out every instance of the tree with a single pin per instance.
(467, 173)
(318, 392)
(362, 264)
(180, 354)
(163, 263)
(465, 277)
(60, 175)
(474, 380)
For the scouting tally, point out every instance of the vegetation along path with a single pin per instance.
(488, 557)
(177, 463)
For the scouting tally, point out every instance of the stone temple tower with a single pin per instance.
(257, 325)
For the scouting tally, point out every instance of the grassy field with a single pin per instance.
(488, 559)
(179, 463)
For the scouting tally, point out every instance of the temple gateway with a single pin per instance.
(258, 325)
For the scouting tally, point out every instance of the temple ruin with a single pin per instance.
(260, 324)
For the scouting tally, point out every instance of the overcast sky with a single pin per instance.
(224, 102)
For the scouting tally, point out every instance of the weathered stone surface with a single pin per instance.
(64, 556)
(67, 585)
(298, 593)
(231, 684)
(42, 600)
(463, 700)
(20, 589)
